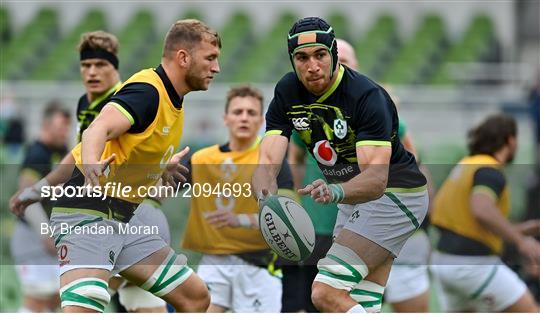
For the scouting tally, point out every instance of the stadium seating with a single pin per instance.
(39, 52)
(236, 36)
(414, 61)
(134, 39)
(377, 46)
(5, 25)
(61, 63)
(267, 59)
(26, 48)
(477, 44)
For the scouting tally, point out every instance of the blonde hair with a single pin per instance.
(99, 40)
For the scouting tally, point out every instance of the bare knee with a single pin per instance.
(191, 296)
(328, 299)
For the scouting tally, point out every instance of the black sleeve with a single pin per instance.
(141, 100)
(276, 117)
(37, 159)
(284, 178)
(374, 118)
(491, 178)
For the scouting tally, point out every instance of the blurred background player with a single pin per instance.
(408, 282)
(33, 251)
(98, 52)
(237, 265)
(471, 211)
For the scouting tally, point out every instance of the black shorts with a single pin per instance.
(297, 279)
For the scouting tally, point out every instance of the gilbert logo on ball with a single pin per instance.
(287, 228)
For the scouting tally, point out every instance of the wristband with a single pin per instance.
(337, 193)
(33, 193)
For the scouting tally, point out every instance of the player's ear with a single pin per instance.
(183, 58)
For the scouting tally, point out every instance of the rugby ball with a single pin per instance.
(287, 228)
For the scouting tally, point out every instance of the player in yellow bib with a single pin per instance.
(237, 265)
(124, 152)
(471, 211)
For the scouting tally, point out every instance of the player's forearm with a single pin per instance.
(492, 219)
(63, 172)
(264, 178)
(369, 185)
(271, 154)
(93, 144)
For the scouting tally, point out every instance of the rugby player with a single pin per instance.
(99, 64)
(350, 126)
(131, 142)
(237, 265)
(33, 251)
(471, 211)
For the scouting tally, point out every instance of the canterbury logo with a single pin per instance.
(301, 124)
(324, 153)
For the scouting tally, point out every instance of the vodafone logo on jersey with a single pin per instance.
(324, 153)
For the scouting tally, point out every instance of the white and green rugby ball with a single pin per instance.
(287, 228)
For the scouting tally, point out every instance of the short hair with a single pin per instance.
(187, 34)
(491, 134)
(55, 107)
(244, 91)
(99, 40)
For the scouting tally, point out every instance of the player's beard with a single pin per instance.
(195, 82)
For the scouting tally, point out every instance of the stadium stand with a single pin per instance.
(377, 47)
(477, 44)
(20, 54)
(134, 41)
(266, 56)
(385, 54)
(61, 62)
(413, 63)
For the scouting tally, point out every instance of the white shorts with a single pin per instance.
(36, 268)
(102, 244)
(39, 281)
(238, 286)
(133, 297)
(388, 221)
(409, 276)
(479, 283)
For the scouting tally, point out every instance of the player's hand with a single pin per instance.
(22, 199)
(223, 218)
(26, 197)
(174, 171)
(92, 172)
(318, 191)
(530, 249)
(262, 195)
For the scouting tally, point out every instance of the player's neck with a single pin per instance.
(178, 81)
(46, 138)
(93, 96)
(238, 145)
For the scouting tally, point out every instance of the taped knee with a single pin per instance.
(342, 268)
(169, 275)
(369, 295)
(90, 293)
(133, 298)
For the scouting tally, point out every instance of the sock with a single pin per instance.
(356, 309)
